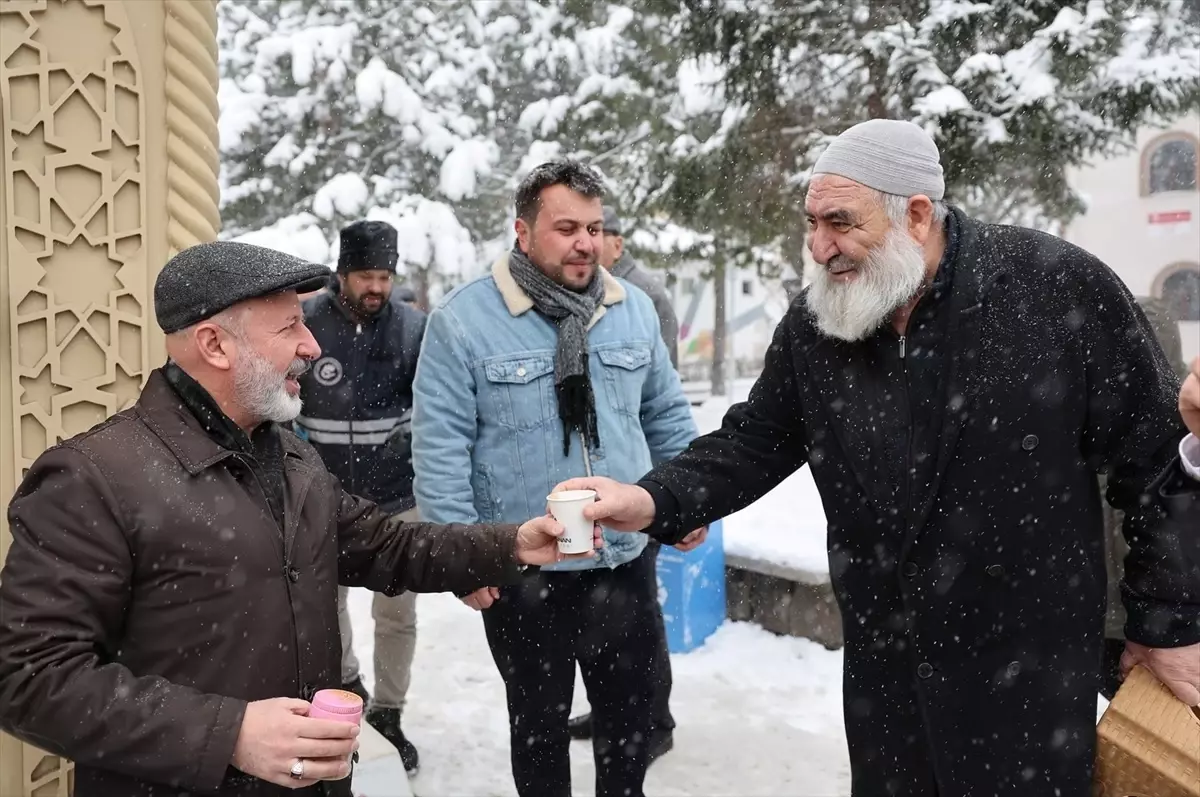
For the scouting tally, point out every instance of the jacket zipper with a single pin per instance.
(353, 403)
(287, 562)
(908, 434)
(587, 455)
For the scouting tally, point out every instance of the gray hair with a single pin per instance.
(896, 207)
(231, 319)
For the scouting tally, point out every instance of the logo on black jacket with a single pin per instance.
(327, 371)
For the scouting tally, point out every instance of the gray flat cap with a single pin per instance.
(612, 222)
(888, 155)
(205, 279)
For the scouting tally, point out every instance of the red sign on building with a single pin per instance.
(1171, 217)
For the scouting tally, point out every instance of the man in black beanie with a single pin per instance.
(357, 399)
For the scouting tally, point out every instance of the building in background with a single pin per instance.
(1143, 220)
(753, 307)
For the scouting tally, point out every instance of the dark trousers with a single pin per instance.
(660, 711)
(604, 620)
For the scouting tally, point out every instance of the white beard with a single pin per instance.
(261, 390)
(888, 278)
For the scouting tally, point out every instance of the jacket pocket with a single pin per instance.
(484, 486)
(625, 370)
(522, 390)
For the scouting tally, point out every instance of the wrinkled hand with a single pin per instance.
(537, 542)
(621, 507)
(693, 540)
(1189, 399)
(276, 732)
(1177, 668)
(482, 598)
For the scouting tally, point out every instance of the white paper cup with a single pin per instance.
(567, 508)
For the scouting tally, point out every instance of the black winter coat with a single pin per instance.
(974, 617)
(358, 394)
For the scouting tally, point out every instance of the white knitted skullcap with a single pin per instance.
(888, 155)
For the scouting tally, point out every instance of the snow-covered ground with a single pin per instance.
(787, 525)
(759, 715)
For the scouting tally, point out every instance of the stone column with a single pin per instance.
(108, 153)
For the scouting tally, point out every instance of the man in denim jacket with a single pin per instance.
(544, 369)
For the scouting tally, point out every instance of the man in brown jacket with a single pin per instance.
(169, 603)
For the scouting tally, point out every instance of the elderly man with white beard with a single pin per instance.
(956, 387)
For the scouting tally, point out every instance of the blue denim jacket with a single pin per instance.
(487, 440)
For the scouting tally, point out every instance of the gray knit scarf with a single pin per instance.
(571, 312)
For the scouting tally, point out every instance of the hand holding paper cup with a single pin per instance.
(567, 508)
(340, 706)
(537, 543)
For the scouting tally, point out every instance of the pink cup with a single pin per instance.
(337, 704)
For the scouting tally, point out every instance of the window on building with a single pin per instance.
(688, 285)
(747, 288)
(1171, 163)
(1180, 290)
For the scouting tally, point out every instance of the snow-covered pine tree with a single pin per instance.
(683, 182)
(424, 113)
(1014, 91)
(332, 111)
(575, 79)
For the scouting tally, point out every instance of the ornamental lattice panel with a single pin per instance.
(108, 153)
(74, 179)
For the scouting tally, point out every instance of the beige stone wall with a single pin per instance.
(109, 161)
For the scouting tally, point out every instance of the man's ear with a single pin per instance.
(212, 346)
(620, 247)
(920, 218)
(524, 232)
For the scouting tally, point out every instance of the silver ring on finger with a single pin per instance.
(297, 770)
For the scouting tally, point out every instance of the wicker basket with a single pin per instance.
(1148, 743)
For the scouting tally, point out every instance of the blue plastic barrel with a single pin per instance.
(691, 589)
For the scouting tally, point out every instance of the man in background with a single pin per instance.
(357, 397)
(616, 258)
(406, 295)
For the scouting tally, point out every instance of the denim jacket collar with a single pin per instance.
(519, 303)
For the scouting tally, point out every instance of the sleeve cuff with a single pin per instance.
(666, 527)
(1189, 456)
(1160, 625)
(217, 755)
(511, 570)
